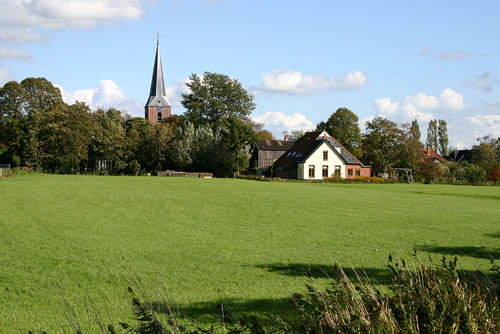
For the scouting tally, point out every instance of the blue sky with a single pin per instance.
(301, 59)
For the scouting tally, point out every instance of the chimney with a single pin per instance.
(286, 137)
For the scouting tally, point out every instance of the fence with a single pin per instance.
(185, 174)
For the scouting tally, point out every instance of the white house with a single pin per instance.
(318, 155)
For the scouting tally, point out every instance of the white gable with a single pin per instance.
(334, 160)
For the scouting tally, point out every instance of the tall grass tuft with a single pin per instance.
(421, 300)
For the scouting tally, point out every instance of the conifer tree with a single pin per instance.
(432, 135)
(443, 137)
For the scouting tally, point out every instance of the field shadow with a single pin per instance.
(478, 196)
(493, 235)
(231, 308)
(479, 252)
(376, 275)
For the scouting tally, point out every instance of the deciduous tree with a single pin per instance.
(343, 126)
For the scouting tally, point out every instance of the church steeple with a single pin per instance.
(157, 107)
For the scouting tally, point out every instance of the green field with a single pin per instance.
(84, 239)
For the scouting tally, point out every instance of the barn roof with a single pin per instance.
(274, 145)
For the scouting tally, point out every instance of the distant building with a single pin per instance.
(157, 108)
(318, 155)
(268, 151)
(460, 155)
(430, 155)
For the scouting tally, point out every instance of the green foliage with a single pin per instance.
(215, 97)
(443, 137)
(470, 173)
(222, 104)
(486, 154)
(343, 126)
(294, 134)
(381, 144)
(432, 141)
(429, 171)
(264, 135)
(410, 148)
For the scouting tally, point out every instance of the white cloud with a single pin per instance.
(106, 94)
(174, 93)
(419, 106)
(482, 125)
(454, 55)
(449, 99)
(5, 75)
(8, 53)
(55, 14)
(18, 17)
(277, 122)
(18, 35)
(296, 83)
(484, 82)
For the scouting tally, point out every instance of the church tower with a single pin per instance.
(157, 108)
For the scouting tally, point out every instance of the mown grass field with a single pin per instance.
(83, 239)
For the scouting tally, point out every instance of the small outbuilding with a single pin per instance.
(317, 155)
(268, 151)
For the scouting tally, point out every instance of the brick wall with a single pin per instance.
(363, 171)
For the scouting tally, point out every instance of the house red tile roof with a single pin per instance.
(430, 154)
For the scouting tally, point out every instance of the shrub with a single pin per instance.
(471, 173)
(494, 173)
(429, 171)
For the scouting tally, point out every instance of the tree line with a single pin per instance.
(386, 145)
(40, 131)
(215, 134)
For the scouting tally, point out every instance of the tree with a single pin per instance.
(410, 146)
(215, 97)
(108, 139)
(294, 134)
(487, 153)
(343, 126)
(264, 135)
(222, 104)
(432, 135)
(443, 137)
(381, 144)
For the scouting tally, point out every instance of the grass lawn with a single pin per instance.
(83, 239)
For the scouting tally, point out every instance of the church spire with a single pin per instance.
(157, 92)
(157, 108)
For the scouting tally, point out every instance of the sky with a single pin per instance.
(302, 60)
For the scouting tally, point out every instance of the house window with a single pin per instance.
(358, 172)
(325, 155)
(337, 171)
(311, 171)
(349, 172)
(325, 171)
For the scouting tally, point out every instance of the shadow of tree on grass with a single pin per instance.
(493, 235)
(478, 252)
(376, 275)
(230, 308)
